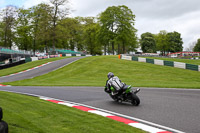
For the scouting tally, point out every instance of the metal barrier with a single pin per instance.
(163, 62)
(12, 64)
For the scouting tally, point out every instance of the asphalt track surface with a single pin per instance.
(175, 108)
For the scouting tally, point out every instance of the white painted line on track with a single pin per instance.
(100, 113)
(146, 127)
(67, 104)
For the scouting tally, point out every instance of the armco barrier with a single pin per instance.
(134, 58)
(127, 57)
(192, 67)
(34, 58)
(169, 63)
(28, 59)
(179, 65)
(68, 54)
(42, 57)
(150, 61)
(12, 64)
(77, 55)
(141, 59)
(158, 62)
(54, 56)
(163, 62)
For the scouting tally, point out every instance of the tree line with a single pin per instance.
(48, 27)
(165, 42)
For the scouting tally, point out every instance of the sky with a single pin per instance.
(152, 16)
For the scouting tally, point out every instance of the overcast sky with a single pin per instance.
(152, 16)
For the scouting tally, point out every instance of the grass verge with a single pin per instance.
(28, 65)
(25, 114)
(92, 71)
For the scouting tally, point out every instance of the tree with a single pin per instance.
(148, 43)
(104, 39)
(126, 33)
(23, 30)
(108, 24)
(117, 24)
(68, 32)
(7, 25)
(162, 42)
(35, 15)
(90, 36)
(57, 14)
(1, 33)
(175, 42)
(197, 46)
(40, 23)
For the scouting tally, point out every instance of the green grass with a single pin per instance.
(28, 65)
(25, 114)
(92, 71)
(189, 61)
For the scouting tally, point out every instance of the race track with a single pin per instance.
(40, 71)
(175, 108)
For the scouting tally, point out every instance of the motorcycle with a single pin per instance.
(126, 95)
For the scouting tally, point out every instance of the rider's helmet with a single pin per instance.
(110, 75)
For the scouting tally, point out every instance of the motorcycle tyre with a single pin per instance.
(135, 100)
(3, 127)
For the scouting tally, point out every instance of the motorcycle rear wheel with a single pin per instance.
(135, 100)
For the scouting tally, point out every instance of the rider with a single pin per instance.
(113, 82)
